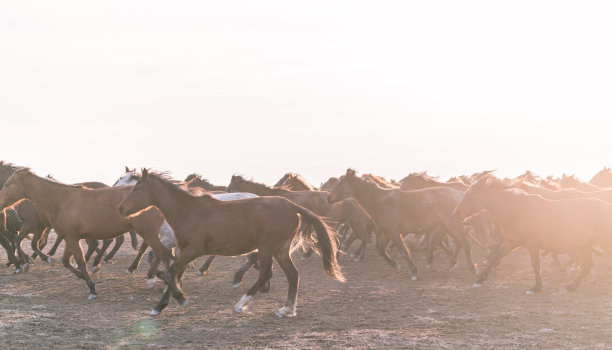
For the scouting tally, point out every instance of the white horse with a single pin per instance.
(166, 234)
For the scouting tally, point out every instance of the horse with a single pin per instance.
(379, 180)
(205, 225)
(166, 234)
(397, 212)
(531, 221)
(78, 213)
(294, 182)
(603, 178)
(417, 181)
(196, 179)
(329, 184)
(571, 181)
(312, 200)
(349, 213)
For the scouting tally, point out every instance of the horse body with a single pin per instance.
(205, 225)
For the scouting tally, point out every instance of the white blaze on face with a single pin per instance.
(126, 180)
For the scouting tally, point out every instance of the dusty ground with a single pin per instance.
(376, 308)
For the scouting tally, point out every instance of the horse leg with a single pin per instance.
(265, 273)
(434, 241)
(10, 252)
(134, 239)
(534, 254)
(92, 246)
(396, 238)
(98, 259)
(251, 260)
(587, 265)
(504, 249)
(284, 260)
(118, 243)
(176, 272)
(347, 244)
(24, 259)
(204, 269)
(143, 248)
(74, 247)
(38, 233)
(382, 250)
(66, 262)
(58, 240)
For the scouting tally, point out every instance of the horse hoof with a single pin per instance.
(238, 310)
(50, 261)
(184, 302)
(477, 285)
(530, 292)
(199, 273)
(155, 313)
(92, 296)
(414, 278)
(150, 283)
(398, 267)
(95, 269)
(236, 285)
(25, 267)
(128, 272)
(451, 269)
(286, 312)
(17, 271)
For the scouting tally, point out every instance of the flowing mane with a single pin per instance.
(379, 180)
(6, 170)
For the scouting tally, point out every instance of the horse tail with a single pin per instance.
(326, 244)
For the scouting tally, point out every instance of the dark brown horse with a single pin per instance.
(78, 213)
(399, 212)
(351, 214)
(205, 225)
(558, 226)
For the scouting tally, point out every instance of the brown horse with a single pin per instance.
(558, 226)
(417, 181)
(312, 200)
(78, 213)
(349, 212)
(603, 178)
(205, 225)
(399, 212)
(197, 180)
(294, 182)
(571, 181)
(329, 184)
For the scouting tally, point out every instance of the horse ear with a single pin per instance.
(350, 172)
(145, 172)
(127, 170)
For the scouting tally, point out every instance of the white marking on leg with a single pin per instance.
(242, 303)
(236, 285)
(477, 285)
(286, 311)
(150, 282)
(530, 292)
(155, 313)
(92, 296)
(414, 278)
(128, 272)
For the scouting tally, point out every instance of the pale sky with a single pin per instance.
(265, 87)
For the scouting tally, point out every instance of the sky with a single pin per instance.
(260, 88)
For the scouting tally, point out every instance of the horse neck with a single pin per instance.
(48, 196)
(172, 202)
(502, 205)
(368, 195)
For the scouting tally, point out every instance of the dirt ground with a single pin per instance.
(377, 307)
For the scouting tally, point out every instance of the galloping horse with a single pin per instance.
(205, 225)
(399, 212)
(558, 226)
(78, 213)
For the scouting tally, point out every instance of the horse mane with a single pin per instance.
(299, 179)
(48, 179)
(171, 182)
(282, 180)
(259, 186)
(6, 170)
(379, 180)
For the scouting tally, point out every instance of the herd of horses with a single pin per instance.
(183, 220)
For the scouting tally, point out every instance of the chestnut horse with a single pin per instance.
(350, 213)
(398, 212)
(558, 226)
(205, 225)
(78, 213)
